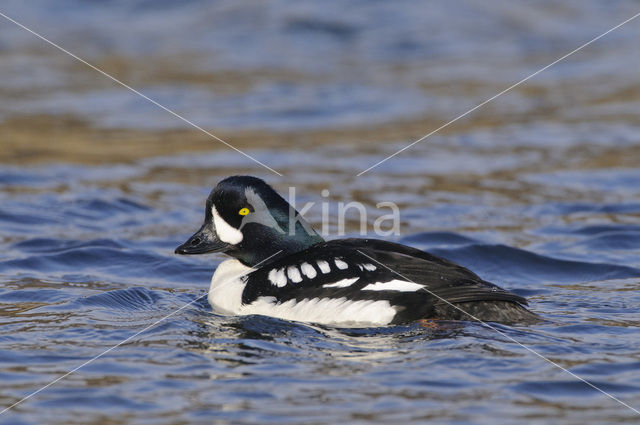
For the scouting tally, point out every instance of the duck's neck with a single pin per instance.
(267, 245)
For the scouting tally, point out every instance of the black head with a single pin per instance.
(247, 219)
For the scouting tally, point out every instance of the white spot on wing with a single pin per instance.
(369, 267)
(393, 285)
(324, 266)
(294, 274)
(224, 230)
(341, 283)
(308, 270)
(341, 264)
(277, 277)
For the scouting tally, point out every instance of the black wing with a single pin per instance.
(418, 284)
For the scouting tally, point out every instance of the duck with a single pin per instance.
(281, 267)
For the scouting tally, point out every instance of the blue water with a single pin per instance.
(538, 192)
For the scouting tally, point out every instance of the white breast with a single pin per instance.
(227, 284)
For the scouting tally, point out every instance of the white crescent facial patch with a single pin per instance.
(224, 230)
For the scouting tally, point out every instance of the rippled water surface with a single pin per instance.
(538, 191)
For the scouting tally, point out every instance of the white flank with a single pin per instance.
(294, 274)
(341, 283)
(225, 231)
(227, 284)
(277, 277)
(341, 264)
(327, 311)
(393, 285)
(308, 270)
(324, 266)
(369, 267)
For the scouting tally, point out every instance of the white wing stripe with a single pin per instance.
(341, 283)
(393, 285)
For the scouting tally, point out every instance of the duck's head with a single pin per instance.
(246, 219)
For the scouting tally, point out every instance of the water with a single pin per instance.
(538, 191)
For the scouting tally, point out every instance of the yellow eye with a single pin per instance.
(244, 211)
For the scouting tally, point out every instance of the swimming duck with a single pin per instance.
(283, 268)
